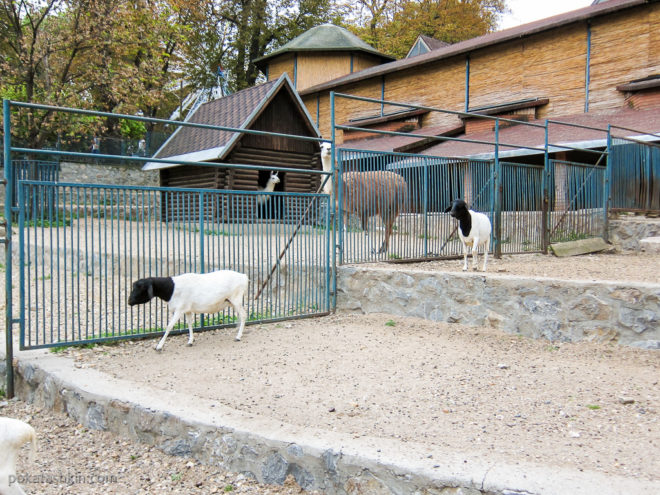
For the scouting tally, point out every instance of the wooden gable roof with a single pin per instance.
(240, 110)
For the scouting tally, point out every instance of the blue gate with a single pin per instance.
(80, 246)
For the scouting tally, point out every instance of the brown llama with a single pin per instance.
(367, 194)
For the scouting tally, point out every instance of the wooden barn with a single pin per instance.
(320, 54)
(272, 107)
(599, 59)
(593, 66)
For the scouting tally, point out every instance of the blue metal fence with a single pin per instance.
(421, 229)
(529, 206)
(82, 246)
(635, 175)
(577, 201)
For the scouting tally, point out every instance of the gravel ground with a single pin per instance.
(587, 406)
(614, 267)
(72, 459)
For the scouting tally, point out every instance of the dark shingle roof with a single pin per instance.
(323, 38)
(230, 111)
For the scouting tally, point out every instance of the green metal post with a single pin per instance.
(9, 189)
(497, 214)
(336, 222)
(608, 181)
(545, 206)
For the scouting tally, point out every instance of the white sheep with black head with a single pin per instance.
(473, 229)
(194, 293)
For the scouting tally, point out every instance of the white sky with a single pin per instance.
(524, 11)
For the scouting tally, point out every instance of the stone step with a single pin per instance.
(650, 245)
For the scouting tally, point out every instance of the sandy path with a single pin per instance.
(590, 406)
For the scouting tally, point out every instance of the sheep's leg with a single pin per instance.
(465, 255)
(242, 316)
(475, 254)
(175, 317)
(190, 317)
(486, 248)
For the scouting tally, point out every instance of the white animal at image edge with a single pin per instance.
(14, 433)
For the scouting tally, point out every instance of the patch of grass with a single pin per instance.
(552, 348)
(566, 236)
(390, 323)
(394, 256)
(176, 477)
(90, 345)
(64, 222)
(593, 407)
(2, 392)
(229, 488)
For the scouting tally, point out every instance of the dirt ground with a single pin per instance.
(587, 406)
(591, 406)
(591, 267)
(106, 464)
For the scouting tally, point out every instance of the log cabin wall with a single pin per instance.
(267, 151)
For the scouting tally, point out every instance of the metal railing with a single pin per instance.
(529, 205)
(635, 175)
(80, 246)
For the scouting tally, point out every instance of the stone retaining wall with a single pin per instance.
(558, 310)
(626, 231)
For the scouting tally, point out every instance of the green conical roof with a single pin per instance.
(323, 38)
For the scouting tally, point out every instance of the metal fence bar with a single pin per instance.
(81, 250)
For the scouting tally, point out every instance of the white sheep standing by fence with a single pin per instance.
(367, 194)
(14, 433)
(474, 231)
(194, 293)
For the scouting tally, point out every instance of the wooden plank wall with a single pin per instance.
(363, 61)
(315, 69)
(280, 65)
(624, 46)
(422, 86)
(623, 49)
(522, 69)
